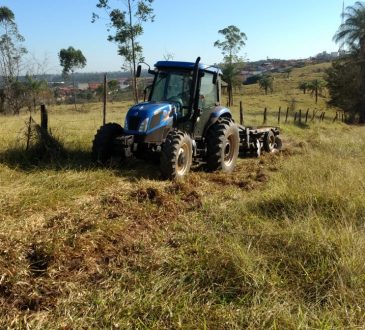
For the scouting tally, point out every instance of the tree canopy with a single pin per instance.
(316, 87)
(127, 26)
(233, 41)
(71, 59)
(11, 54)
(343, 80)
(266, 82)
(352, 33)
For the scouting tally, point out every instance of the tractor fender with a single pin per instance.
(219, 112)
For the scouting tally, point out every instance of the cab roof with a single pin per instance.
(187, 66)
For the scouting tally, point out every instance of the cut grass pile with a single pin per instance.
(277, 244)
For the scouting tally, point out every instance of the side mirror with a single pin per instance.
(139, 69)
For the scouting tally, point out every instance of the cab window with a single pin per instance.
(208, 92)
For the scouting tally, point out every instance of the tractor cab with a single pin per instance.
(192, 91)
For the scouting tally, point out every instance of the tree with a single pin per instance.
(303, 86)
(316, 88)
(113, 88)
(266, 82)
(34, 89)
(233, 41)
(287, 72)
(352, 33)
(343, 80)
(71, 59)
(11, 54)
(127, 26)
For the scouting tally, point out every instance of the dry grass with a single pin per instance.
(277, 244)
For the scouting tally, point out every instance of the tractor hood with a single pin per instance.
(146, 117)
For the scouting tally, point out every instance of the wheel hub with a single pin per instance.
(182, 164)
(228, 150)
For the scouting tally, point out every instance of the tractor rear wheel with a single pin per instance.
(222, 145)
(176, 155)
(278, 143)
(104, 147)
(269, 141)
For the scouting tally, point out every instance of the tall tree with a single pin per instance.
(266, 82)
(34, 89)
(233, 41)
(316, 88)
(71, 59)
(343, 80)
(113, 88)
(127, 26)
(352, 33)
(11, 53)
(303, 86)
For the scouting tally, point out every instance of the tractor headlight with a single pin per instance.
(143, 125)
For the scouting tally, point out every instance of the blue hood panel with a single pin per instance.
(157, 112)
(148, 109)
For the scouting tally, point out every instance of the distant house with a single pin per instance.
(123, 83)
(83, 86)
(94, 86)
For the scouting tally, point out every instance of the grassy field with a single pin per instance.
(278, 244)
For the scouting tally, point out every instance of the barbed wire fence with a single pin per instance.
(79, 128)
(299, 117)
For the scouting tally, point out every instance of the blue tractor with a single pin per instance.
(182, 123)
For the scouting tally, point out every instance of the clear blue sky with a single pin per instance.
(186, 28)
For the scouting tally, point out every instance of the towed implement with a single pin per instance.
(182, 123)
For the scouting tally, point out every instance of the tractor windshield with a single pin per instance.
(172, 87)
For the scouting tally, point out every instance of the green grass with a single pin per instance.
(278, 244)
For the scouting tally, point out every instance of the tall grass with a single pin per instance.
(277, 244)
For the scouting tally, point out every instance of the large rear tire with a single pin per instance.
(222, 145)
(104, 147)
(176, 155)
(278, 143)
(269, 141)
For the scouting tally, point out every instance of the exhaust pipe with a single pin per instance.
(195, 84)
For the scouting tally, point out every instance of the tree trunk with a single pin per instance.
(73, 84)
(135, 92)
(362, 68)
(230, 95)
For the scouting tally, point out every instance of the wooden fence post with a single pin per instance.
(300, 116)
(313, 115)
(279, 115)
(295, 117)
(334, 119)
(104, 100)
(287, 114)
(265, 116)
(306, 116)
(241, 113)
(44, 117)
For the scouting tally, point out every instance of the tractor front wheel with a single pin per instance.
(176, 155)
(104, 147)
(222, 145)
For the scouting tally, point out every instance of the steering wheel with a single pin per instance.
(177, 101)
